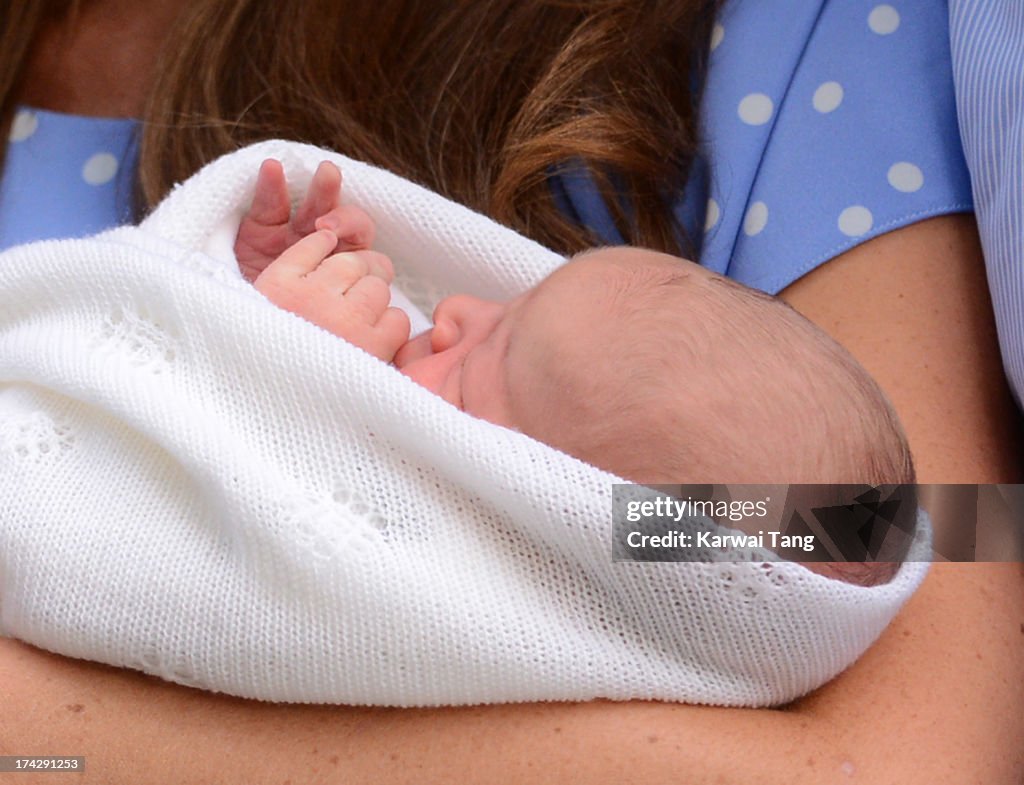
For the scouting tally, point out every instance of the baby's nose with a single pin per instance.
(444, 335)
(463, 317)
(458, 307)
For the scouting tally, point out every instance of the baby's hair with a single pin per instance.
(718, 383)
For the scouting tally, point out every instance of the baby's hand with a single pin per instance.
(345, 293)
(269, 228)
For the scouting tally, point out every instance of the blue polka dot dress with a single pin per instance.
(65, 176)
(825, 123)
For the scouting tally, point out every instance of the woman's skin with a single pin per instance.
(939, 698)
(913, 307)
(100, 64)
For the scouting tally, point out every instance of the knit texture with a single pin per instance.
(199, 485)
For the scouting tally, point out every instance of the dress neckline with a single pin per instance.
(71, 117)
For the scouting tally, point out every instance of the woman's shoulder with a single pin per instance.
(826, 124)
(65, 176)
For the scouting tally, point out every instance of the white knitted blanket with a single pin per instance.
(204, 487)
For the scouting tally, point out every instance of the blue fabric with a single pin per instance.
(988, 67)
(65, 176)
(814, 107)
(783, 178)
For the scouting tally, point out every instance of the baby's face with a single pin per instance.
(494, 360)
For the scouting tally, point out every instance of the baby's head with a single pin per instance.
(660, 371)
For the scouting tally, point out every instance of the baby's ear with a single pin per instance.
(856, 573)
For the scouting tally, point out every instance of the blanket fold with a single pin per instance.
(198, 485)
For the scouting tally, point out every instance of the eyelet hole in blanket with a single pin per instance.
(335, 526)
(175, 668)
(138, 340)
(34, 437)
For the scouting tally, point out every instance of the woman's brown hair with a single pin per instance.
(21, 21)
(480, 100)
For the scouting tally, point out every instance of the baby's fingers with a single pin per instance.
(394, 328)
(340, 272)
(322, 197)
(353, 225)
(368, 298)
(303, 257)
(271, 205)
(388, 335)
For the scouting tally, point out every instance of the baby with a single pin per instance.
(640, 363)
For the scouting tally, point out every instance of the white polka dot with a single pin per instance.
(855, 221)
(756, 109)
(883, 19)
(717, 34)
(906, 177)
(24, 125)
(756, 219)
(99, 169)
(828, 97)
(712, 215)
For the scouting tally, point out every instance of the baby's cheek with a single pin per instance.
(416, 349)
(478, 403)
(483, 394)
(424, 375)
